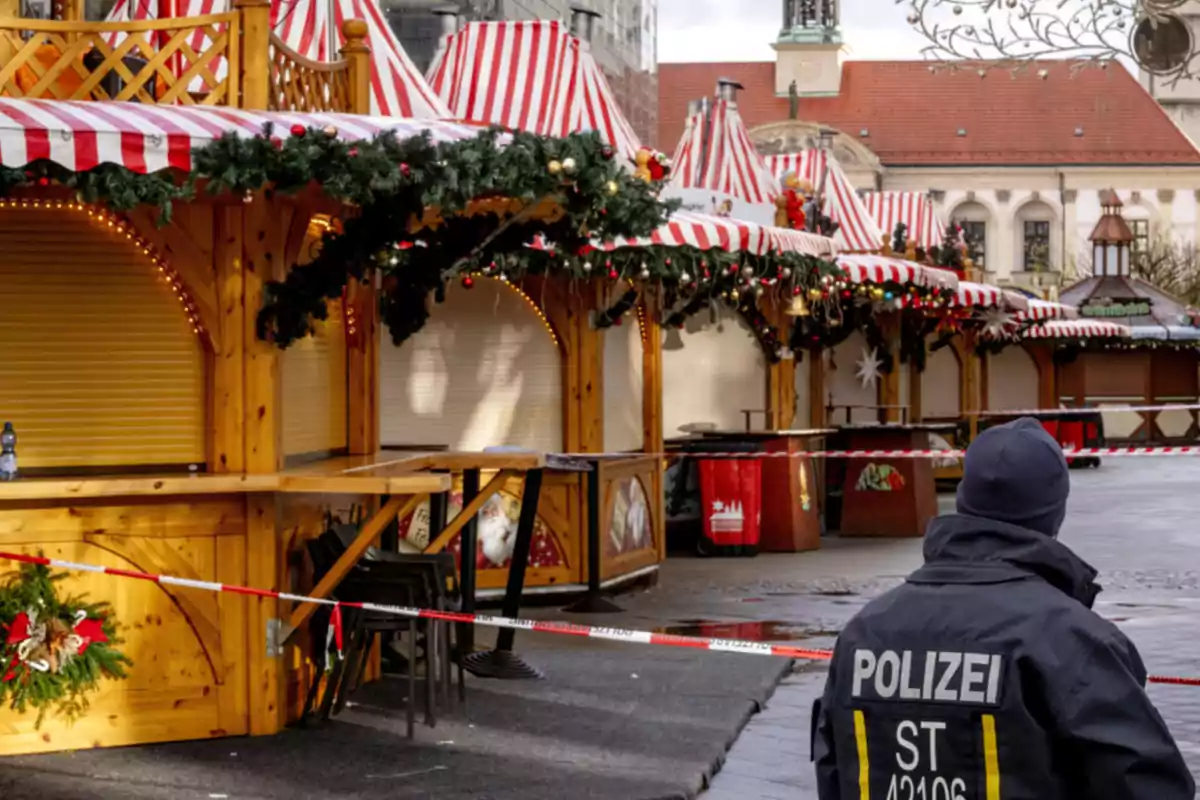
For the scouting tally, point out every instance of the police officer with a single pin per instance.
(987, 676)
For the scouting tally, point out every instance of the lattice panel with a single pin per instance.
(192, 61)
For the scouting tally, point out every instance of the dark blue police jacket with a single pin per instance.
(986, 676)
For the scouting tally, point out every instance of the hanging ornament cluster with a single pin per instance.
(54, 651)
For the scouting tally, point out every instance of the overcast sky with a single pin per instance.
(743, 30)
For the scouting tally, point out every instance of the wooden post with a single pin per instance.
(652, 410)
(781, 376)
(263, 248)
(262, 244)
(358, 54)
(817, 402)
(255, 55)
(889, 387)
(362, 342)
(226, 449)
(915, 412)
(970, 366)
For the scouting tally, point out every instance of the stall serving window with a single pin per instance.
(315, 385)
(485, 370)
(100, 367)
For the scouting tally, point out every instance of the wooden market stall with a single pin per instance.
(157, 428)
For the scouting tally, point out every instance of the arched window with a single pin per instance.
(1036, 237)
(975, 219)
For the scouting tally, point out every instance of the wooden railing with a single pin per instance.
(301, 84)
(189, 60)
(230, 59)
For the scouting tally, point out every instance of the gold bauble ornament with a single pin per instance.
(555, 167)
(613, 188)
(330, 131)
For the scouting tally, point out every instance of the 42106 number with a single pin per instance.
(906, 787)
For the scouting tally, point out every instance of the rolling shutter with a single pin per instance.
(720, 371)
(1012, 380)
(99, 366)
(623, 421)
(941, 385)
(484, 371)
(315, 385)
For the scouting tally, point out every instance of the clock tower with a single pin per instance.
(808, 50)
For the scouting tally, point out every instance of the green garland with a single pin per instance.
(568, 191)
(54, 651)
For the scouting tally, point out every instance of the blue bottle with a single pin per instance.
(8, 453)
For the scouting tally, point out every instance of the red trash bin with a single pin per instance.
(731, 506)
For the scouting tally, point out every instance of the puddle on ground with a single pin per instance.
(749, 631)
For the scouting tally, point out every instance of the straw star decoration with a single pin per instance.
(868, 367)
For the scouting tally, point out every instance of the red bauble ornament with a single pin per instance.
(43, 181)
(468, 282)
(765, 281)
(667, 261)
(405, 170)
(277, 143)
(796, 292)
(612, 273)
(606, 152)
(353, 152)
(299, 130)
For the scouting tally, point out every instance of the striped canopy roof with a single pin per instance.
(528, 76)
(397, 87)
(724, 160)
(914, 209)
(79, 135)
(859, 232)
(1076, 329)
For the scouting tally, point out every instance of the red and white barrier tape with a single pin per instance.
(1105, 410)
(1080, 452)
(538, 626)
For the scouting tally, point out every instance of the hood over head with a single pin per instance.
(1016, 473)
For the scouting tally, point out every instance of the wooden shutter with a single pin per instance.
(99, 365)
(623, 384)
(1012, 380)
(483, 371)
(315, 383)
(941, 385)
(720, 371)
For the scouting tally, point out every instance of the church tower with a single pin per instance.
(808, 50)
(1180, 100)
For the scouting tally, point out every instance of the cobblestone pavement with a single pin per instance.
(1136, 521)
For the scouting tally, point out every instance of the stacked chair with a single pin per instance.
(385, 578)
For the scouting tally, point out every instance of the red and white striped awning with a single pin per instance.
(1076, 329)
(980, 294)
(728, 163)
(884, 269)
(529, 76)
(859, 232)
(688, 158)
(1044, 309)
(914, 209)
(706, 232)
(398, 89)
(80, 135)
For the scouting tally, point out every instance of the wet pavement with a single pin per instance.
(1137, 521)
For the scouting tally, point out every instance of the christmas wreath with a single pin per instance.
(54, 651)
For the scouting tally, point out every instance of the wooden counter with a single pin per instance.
(886, 496)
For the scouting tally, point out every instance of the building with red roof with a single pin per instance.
(1019, 157)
